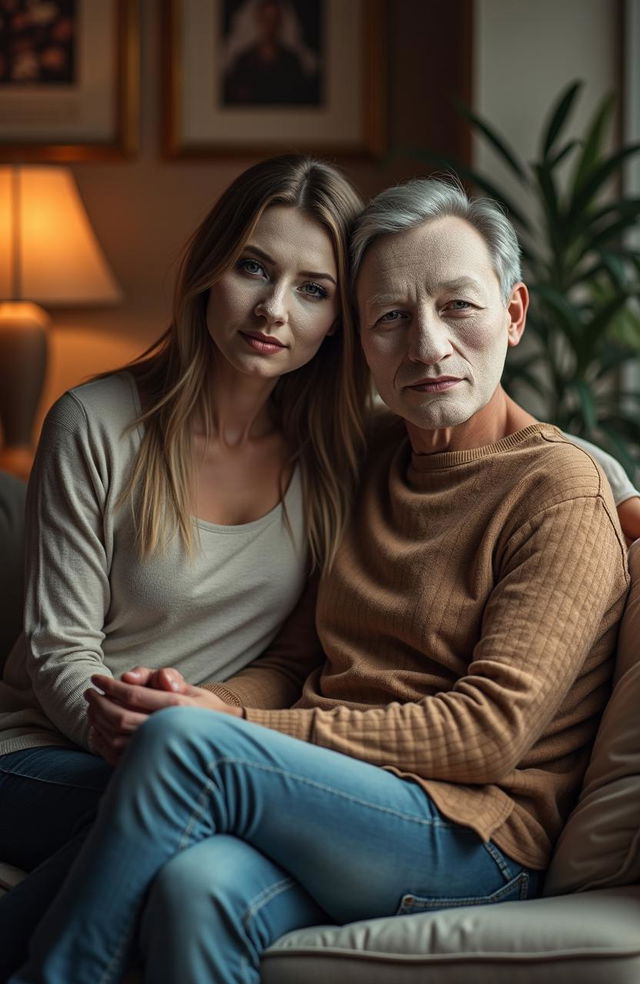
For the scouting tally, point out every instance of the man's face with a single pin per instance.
(434, 327)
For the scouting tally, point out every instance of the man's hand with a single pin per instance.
(166, 678)
(117, 708)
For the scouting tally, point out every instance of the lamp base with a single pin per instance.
(16, 461)
(23, 362)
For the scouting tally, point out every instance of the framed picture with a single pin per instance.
(252, 77)
(68, 79)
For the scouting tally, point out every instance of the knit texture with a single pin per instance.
(469, 625)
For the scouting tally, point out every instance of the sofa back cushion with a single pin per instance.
(12, 499)
(600, 844)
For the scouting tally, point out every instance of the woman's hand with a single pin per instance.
(117, 708)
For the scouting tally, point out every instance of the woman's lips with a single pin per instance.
(263, 343)
(438, 385)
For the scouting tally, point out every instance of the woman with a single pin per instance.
(246, 414)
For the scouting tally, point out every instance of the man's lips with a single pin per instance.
(262, 343)
(436, 385)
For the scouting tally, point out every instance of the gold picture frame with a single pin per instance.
(349, 121)
(94, 116)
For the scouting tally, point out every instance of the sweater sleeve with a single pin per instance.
(561, 572)
(275, 679)
(67, 581)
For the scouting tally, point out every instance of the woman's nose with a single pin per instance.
(272, 306)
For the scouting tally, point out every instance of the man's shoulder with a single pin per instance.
(563, 469)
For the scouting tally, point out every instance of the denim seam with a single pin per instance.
(426, 903)
(499, 859)
(198, 811)
(427, 821)
(51, 782)
(264, 897)
(117, 956)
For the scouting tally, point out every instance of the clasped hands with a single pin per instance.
(117, 708)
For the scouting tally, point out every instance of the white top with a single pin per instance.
(621, 485)
(93, 606)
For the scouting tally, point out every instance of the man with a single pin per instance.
(468, 627)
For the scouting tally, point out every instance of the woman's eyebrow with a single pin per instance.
(313, 274)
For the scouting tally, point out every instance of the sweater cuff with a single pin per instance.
(223, 693)
(297, 723)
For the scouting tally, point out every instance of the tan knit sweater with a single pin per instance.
(468, 625)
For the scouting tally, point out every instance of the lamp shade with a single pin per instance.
(48, 250)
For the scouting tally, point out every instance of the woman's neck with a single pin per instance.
(239, 409)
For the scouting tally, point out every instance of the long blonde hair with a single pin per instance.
(319, 407)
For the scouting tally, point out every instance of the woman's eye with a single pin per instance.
(314, 290)
(251, 267)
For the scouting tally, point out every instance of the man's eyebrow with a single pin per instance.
(312, 274)
(460, 283)
(380, 300)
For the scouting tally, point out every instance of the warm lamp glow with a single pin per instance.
(49, 251)
(48, 254)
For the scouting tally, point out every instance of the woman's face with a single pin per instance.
(270, 312)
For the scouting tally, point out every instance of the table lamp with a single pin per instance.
(48, 255)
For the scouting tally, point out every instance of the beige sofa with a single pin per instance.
(587, 927)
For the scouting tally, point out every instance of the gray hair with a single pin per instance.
(407, 206)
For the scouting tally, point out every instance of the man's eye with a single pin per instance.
(314, 290)
(391, 317)
(458, 305)
(251, 267)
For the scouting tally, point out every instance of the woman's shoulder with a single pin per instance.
(108, 402)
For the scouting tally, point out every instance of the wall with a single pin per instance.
(144, 209)
(525, 52)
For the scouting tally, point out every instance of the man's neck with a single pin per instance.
(499, 418)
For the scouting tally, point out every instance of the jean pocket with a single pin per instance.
(513, 890)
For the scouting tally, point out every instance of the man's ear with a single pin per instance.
(517, 311)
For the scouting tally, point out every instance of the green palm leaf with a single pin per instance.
(559, 114)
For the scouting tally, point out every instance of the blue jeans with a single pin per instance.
(220, 835)
(48, 797)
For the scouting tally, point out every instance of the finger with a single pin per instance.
(135, 698)
(170, 679)
(139, 674)
(112, 718)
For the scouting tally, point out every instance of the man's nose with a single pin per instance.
(429, 340)
(272, 305)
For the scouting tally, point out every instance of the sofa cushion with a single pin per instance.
(9, 876)
(600, 844)
(589, 938)
(12, 499)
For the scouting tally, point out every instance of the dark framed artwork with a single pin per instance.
(68, 79)
(266, 76)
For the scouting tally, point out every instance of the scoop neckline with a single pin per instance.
(205, 524)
